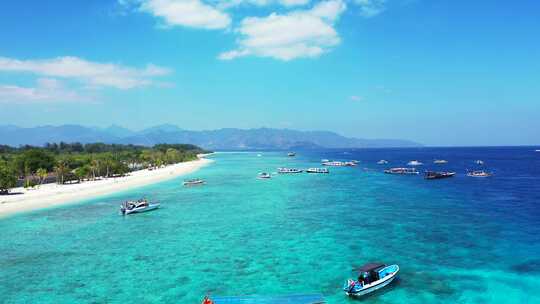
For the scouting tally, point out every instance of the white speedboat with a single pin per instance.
(479, 173)
(288, 170)
(382, 162)
(373, 276)
(264, 175)
(334, 164)
(414, 163)
(440, 161)
(139, 206)
(318, 170)
(193, 182)
(402, 171)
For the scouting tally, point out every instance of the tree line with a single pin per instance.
(67, 162)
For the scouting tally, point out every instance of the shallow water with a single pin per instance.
(459, 240)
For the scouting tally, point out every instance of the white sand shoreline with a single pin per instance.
(52, 195)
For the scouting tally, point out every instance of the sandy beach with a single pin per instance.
(52, 195)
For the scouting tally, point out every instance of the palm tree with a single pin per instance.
(61, 170)
(42, 174)
(94, 166)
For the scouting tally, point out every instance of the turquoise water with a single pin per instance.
(459, 240)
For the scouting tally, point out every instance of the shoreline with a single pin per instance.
(53, 195)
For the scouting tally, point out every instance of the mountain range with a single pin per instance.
(221, 139)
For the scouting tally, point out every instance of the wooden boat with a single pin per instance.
(193, 182)
(402, 171)
(287, 299)
(289, 170)
(138, 206)
(479, 173)
(373, 276)
(318, 170)
(264, 175)
(438, 175)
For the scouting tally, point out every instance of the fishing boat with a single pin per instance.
(414, 163)
(373, 276)
(402, 171)
(440, 161)
(138, 206)
(438, 175)
(288, 170)
(291, 154)
(382, 162)
(479, 162)
(264, 175)
(193, 182)
(286, 299)
(318, 170)
(479, 173)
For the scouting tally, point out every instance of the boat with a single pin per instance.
(414, 163)
(325, 160)
(438, 175)
(382, 162)
(259, 155)
(373, 276)
(350, 163)
(288, 170)
(355, 161)
(138, 206)
(479, 162)
(403, 171)
(264, 175)
(285, 299)
(318, 170)
(440, 161)
(334, 164)
(193, 182)
(537, 150)
(479, 173)
(291, 154)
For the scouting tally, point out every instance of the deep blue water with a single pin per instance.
(458, 240)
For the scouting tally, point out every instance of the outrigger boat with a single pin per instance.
(479, 173)
(438, 175)
(440, 161)
(318, 170)
(403, 171)
(373, 276)
(193, 182)
(414, 163)
(264, 175)
(288, 170)
(288, 299)
(138, 206)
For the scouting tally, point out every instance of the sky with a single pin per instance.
(441, 73)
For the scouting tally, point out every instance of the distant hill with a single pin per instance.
(222, 139)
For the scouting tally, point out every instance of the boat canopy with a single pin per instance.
(290, 299)
(371, 266)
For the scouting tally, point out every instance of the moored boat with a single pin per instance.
(373, 276)
(479, 173)
(479, 162)
(440, 161)
(334, 164)
(193, 182)
(291, 154)
(317, 170)
(403, 171)
(438, 175)
(138, 206)
(382, 162)
(325, 160)
(288, 170)
(264, 175)
(414, 163)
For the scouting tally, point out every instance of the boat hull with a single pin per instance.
(369, 288)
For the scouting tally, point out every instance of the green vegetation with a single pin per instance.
(66, 162)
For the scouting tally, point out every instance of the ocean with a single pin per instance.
(456, 240)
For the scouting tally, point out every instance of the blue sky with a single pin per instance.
(438, 72)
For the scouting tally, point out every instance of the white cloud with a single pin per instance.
(287, 3)
(189, 13)
(47, 89)
(302, 33)
(371, 8)
(91, 73)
